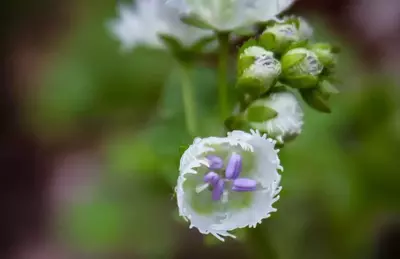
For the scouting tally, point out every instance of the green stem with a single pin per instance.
(188, 99)
(223, 40)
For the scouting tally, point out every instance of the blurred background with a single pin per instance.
(89, 142)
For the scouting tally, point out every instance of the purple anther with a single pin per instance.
(211, 178)
(234, 167)
(218, 190)
(216, 162)
(244, 185)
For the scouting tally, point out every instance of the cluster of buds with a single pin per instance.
(283, 59)
(232, 182)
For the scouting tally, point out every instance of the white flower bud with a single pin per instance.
(279, 115)
(305, 31)
(278, 37)
(301, 67)
(258, 70)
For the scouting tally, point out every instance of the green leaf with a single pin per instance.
(260, 113)
(171, 42)
(268, 41)
(244, 63)
(236, 123)
(250, 85)
(278, 87)
(196, 22)
(327, 89)
(315, 100)
(289, 61)
(200, 45)
(298, 44)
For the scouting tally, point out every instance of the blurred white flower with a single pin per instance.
(288, 121)
(228, 15)
(142, 23)
(229, 182)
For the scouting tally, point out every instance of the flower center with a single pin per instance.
(220, 179)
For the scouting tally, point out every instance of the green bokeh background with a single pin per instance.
(341, 177)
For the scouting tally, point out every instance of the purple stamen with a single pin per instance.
(218, 190)
(216, 162)
(234, 167)
(244, 185)
(211, 178)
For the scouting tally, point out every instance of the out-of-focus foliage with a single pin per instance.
(341, 175)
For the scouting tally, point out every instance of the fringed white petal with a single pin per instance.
(265, 171)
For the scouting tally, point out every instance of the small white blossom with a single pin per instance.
(228, 15)
(229, 182)
(143, 22)
(289, 120)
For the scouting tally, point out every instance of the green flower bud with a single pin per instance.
(327, 89)
(278, 37)
(301, 68)
(325, 54)
(316, 99)
(279, 115)
(258, 70)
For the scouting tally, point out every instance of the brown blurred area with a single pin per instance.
(32, 28)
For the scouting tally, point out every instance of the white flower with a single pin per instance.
(228, 15)
(143, 22)
(229, 182)
(289, 119)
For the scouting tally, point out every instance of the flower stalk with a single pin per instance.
(223, 40)
(189, 103)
